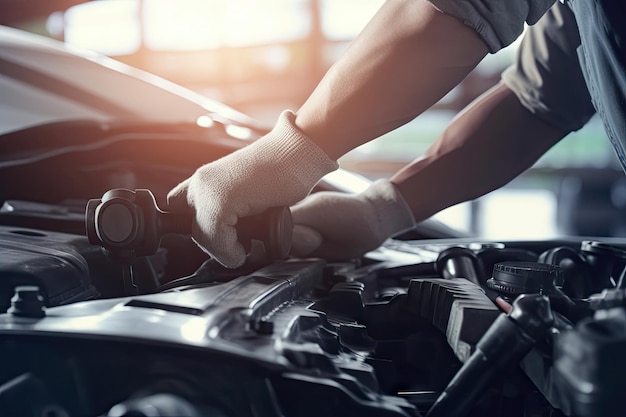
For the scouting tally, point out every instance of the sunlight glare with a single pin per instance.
(519, 214)
(194, 330)
(239, 132)
(110, 27)
(250, 22)
(334, 23)
(113, 27)
(205, 121)
(183, 24)
(207, 24)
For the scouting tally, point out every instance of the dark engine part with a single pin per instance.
(129, 224)
(59, 264)
(447, 327)
(589, 364)
(457, 308)
(158, 405)
(512, 279)
(504, 345)
(575, 360)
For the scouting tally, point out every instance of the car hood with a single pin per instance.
(49, 81)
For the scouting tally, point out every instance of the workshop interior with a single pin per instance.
(513, 304)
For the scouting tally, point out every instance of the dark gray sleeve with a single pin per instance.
(498, 22)
(546, 75)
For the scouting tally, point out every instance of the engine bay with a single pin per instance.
(441, 327)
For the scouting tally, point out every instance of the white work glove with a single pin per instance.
(277, 170)
(335, 225)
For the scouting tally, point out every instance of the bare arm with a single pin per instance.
(407, 58)
(486, 146)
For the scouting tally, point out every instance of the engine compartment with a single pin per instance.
(454, 327)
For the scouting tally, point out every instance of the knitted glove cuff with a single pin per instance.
(293, 153)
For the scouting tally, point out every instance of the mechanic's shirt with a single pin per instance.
(498, 22)
(546, 75)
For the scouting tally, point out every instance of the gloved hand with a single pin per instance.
(335, 225)
(277, 170)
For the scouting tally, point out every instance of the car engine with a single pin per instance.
(439, 327)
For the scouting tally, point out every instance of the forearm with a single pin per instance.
(407, 58)
(485, 147)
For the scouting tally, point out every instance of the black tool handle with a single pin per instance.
(129, 223)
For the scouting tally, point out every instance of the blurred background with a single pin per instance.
(263, 57)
